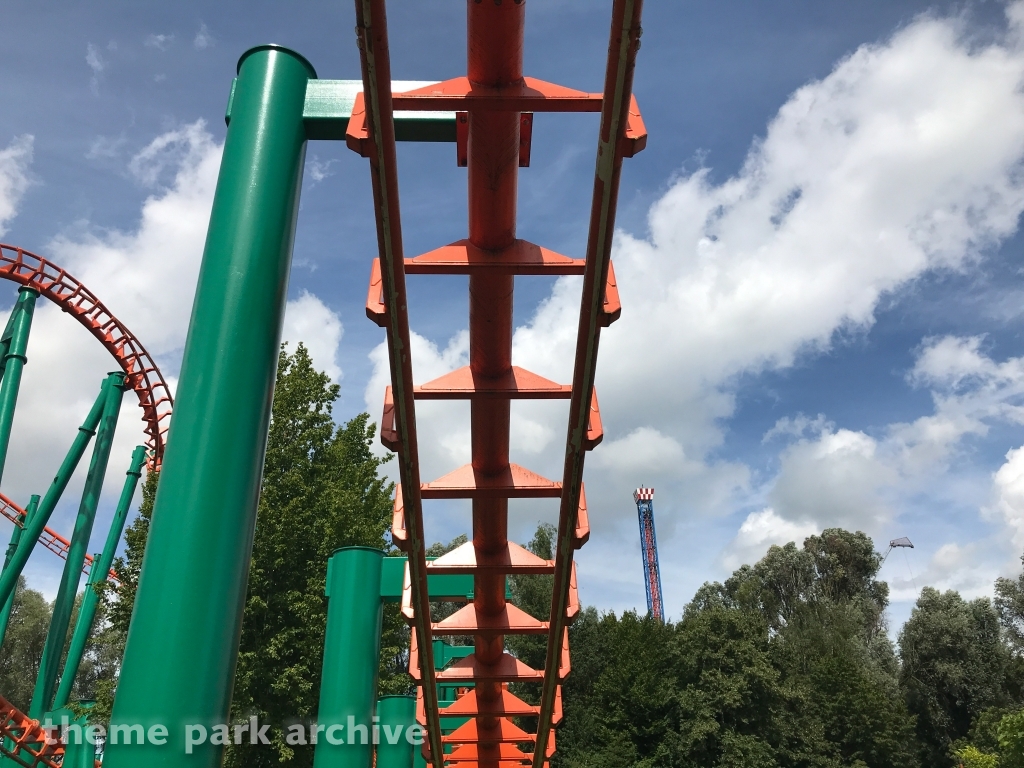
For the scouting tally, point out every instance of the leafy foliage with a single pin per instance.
(1011, 740)
(972, 757)
(23, 645)
(953, 667)
(321, 491)
(783, 665)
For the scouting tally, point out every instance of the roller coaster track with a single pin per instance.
(22, 739)
(68, 293)
(50, 539)
(495, 103)
(143, 375)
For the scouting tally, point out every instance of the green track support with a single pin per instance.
(328, 107)
(34, 527)
(56, 636)
(98, 574)
(5, 612)
(348, 685)
(14, 345)
(79, 752)
(397, 714)
(182, 647)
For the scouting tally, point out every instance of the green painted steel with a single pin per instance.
(445, 654)
(397, 714)
(348, 685)
(183, 642)
(5, 612)
(14, 345)
(328, 106)
(60, 619)
(34, 527)
(440, 586)
(97, 575)
(78, 752)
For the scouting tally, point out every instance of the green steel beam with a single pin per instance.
(5, 612)
(182, 645)
(34, 527)
(348, 685)
(79, 752)
(60, 620)
(397, 714)
(97, 575)
(439, 586)
(14, 348)
(328, 106)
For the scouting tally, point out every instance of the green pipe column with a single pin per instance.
(56, 636)
(34, 527)
(78, 753)
(5, 612)
(348, 685)
(183, 642)
(98, 574)
(397, 713)
(15, 348)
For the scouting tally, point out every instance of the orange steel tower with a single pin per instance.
(495, 105)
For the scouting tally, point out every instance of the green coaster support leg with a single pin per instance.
(98, 574)
(397, 714)
(34, 527)
(14, 345)
(63, 604)
(5, 612)
(182, 646)
(348, 685)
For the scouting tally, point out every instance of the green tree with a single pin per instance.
(23, 645)
(953, 666)
(1011, 740)
(321, 491)
(786, 665)
(533, 595)
(1009, 604)
(972, 757)
(619, 699)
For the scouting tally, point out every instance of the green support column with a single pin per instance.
(34, 527)
(5, 612)
(15, 346)
(348, 685)
(56, 636)
(397, 714)
(79, 751)
(98, 574)
(183, 642)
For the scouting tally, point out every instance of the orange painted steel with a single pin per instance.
(614, 144)
(29, 744)
(379, 147)
(67, 292)
(494, 103)
(50, 539)
(143, 375)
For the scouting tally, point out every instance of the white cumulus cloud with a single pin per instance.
(308, 320)
(15, 161)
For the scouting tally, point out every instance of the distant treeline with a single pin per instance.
(789, 664)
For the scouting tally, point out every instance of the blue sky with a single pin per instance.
(818, 255)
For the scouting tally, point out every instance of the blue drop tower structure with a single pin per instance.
(644, 498)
